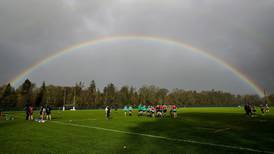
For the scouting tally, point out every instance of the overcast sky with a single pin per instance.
(240, 32)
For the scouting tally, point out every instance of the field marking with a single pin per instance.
(166, 138)
(81, 120)
(205, 128)
(221, 130)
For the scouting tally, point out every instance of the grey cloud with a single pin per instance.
(239, 32)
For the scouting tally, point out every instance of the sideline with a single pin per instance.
(166, 138)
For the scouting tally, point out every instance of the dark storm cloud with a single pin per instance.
(239, 32)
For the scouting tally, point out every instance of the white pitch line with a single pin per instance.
(205, 128)
(166, 138)
(82, 120)
(221, 130)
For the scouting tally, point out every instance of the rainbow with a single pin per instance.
(174, 42)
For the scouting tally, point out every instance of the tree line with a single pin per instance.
(90, 96)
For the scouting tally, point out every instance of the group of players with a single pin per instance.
(150, 111)
(153, 111)
(45, 113)
(250, 109)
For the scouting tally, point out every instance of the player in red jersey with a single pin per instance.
(174, 110)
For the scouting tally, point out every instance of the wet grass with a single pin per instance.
(84, 131)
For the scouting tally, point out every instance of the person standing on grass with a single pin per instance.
(130, 110)
(157, 110)
(42, 112)
(164, 110)
(247, 109)
(140, 110)
(266, 108)
(106, 109)
(174, 110)
(48, 111)
(262, 107)
(108, 112)
(152, 111)
(27, 112)
(161, 110)
(253, 110)
(170, 111)
(125, 110)
(30, 110)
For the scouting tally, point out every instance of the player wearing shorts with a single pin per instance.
(161, 110)
(266, 108)
(30, 113)
(42, 112)
(262, 107)
(27, 112)
(174, 110)
(125, 110)
(140, 112)
(130, 110)
(164, 110)
(48, 111)
(151, 111)
(144, 109)
(108, 112)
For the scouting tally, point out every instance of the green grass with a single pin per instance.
(75, 132)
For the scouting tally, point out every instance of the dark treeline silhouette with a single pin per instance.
(89, 96)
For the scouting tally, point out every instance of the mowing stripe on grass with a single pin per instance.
(165, 138)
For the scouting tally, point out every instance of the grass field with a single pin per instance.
(196, 130)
